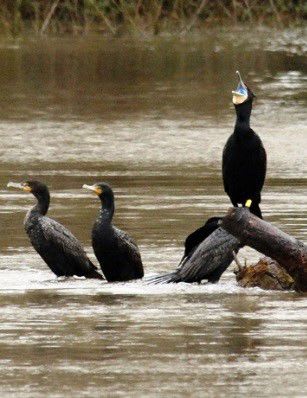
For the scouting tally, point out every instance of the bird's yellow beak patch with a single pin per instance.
(98, 190)
(238, 99)
(26, 188)
(94, 188)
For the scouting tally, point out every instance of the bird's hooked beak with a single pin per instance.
(20, 185)
(240, 94)
(95, 188)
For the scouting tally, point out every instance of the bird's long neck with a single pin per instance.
(243, 112)
(42, 205)
(107, 210)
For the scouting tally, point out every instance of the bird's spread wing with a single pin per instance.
(194, 239)
(212, 253)
(200, 234)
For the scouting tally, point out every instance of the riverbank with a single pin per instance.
(140, 17)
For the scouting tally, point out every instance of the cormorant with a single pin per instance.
(117, 253)
(200, 234)
(56, 245)
(244, 157)
(207, 261)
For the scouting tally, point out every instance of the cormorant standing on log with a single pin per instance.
(56, 245)
(117, 253)
(244, 157)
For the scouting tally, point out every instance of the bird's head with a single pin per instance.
(242, 93)
(103, 191)
(37, 188)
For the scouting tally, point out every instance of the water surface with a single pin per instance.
(151, 118)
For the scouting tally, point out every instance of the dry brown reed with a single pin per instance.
(143, 16)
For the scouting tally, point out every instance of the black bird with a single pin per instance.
(117, 253)
(207, 261)
(56, 245)
(244, 157)
(200, 234)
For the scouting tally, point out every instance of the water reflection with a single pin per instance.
(220, 343)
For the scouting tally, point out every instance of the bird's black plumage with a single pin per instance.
(57, 246)
(208, 261)
(244, 160)
(200, 234)
(117, 253)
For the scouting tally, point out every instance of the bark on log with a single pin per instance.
(289, 252)
(266, 274)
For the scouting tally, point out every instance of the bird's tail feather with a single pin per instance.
(93, 271)
(255, 209)
(172, 277)
(94, 274)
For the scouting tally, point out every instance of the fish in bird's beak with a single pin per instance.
(95, 188)
(19, 185)
(241, 93)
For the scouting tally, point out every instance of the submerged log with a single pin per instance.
(288, 251)
(266, 274)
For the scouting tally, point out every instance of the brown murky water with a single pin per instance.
(150, 118)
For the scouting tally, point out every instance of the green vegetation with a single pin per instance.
(142, 16)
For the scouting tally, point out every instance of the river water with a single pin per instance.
(150, 117)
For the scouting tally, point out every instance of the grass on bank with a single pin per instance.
(143, 16)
